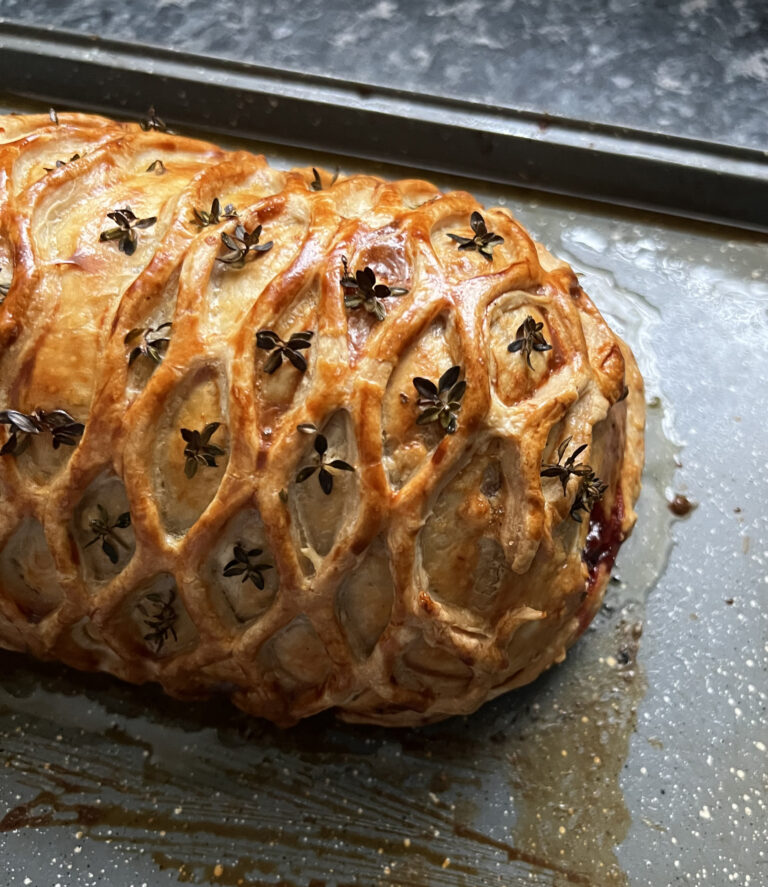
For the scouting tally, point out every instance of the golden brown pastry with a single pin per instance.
(311, 443)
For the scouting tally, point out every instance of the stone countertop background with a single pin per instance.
(693, 68)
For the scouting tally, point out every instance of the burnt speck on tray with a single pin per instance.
(681, 506)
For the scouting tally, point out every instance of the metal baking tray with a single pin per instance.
(690, 177)
(641, 760)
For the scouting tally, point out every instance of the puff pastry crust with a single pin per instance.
(443, 570)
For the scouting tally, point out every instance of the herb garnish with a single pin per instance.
(441, 402)
(60, 163)
(199, 451)
(241, 244)
(590, 490)
(53, 115)
(268, 340)
(125, 233)
(162, 621)
(157, 167)
(104, 532)
(203, 218)
(563, 471)
(366, 291)
(152, 121)
(154, 349)
(317, 183)
(58, 423)
(483, 241)
(529, 338)
(325, 469)
(243, 565)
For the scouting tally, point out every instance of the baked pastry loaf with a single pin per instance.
(312, 443)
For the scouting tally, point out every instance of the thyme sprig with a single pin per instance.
(483, 240)
(563, 471)
(104, 531)
(125, 232)
(215, 215)
(529, 338)
(244, 564)
(317, 183)
(62, 427)
(162, 621)
(199, 452)
(366, 292)
(441, 402)
(590, 490)
(241, 244)
(153, 348)
(324, 468)
(60, 163)
(152, 121)
(268, 340)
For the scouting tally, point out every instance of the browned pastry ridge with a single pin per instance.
(383, 564)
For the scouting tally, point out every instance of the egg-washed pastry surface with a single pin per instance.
(310, 441)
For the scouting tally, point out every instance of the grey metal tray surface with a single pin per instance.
(642, 760)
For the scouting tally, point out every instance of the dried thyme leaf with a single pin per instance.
(529, 338)
(325, 469)
(245, 564)
(104, 531)
(483, 240)
(60, 163)
(590, 490)
(54, 116)
(241, 244)
(199, 452)
(563, 471)
(125, 232)
(152, 121)
(62, 427)
(153, 348)
(441, 402)
(366, 292)
(216, 214)
(317, 183)
(268, 340)
(162, 620)
(157, 167)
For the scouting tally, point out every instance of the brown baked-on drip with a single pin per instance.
(353, 444)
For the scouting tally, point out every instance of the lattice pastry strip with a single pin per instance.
(309, 442)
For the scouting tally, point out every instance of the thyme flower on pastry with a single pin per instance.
(215, 215)
(60, 163)
(125, 232)
(241, 244)
(441, 402)
(366, 292)
(529, 338)
(199, 451)
(590, 490)
(325, 469)
(157, 167)
(563, 471)
(268, 340)
(153, 348)
(152, 121)
(483, 240)
(162, 621)
(243, 565)
(104, 532)
(317, 183)
(62, 427)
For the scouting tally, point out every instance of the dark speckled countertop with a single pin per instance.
(696, 68)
